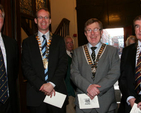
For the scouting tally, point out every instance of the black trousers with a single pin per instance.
(46, 108)
(5, 108)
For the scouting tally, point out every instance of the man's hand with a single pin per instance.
(51, 94)
(132, 101)
(47, 88)
(139, 105)
(93, 91)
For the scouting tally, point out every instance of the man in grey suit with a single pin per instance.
(95, 69)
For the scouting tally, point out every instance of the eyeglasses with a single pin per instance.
(40, 17)
(94, 30)
(137, 26)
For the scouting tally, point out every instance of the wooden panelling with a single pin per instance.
(112, 13)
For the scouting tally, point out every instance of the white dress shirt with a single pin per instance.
(3, 51)
(69, 53)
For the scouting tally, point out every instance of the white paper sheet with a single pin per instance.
(57, 100)
(135, 109)
(86, 103)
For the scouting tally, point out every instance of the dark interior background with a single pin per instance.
(112, 13)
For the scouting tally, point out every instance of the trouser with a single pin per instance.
(93, 111)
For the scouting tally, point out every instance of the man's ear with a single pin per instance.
(50, 21)
(35, 20)
(85, 33)
(101, 32)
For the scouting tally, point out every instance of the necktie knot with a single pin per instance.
(44, 37)
(93, 48)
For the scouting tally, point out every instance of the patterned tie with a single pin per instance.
(93, 53)
(138, 75)
(3, 80)
(44, 54)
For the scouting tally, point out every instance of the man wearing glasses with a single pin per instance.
(95, 69)
(44, 63)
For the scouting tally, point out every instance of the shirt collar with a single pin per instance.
(139, 43)
(98, 45)
(69, 52)
(0, 34)
(41, 34)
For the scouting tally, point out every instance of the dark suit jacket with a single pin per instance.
(33, 69)
(127, 78)
(12, 70)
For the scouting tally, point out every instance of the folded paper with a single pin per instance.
(57, 100)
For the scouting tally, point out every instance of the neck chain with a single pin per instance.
(48, 44)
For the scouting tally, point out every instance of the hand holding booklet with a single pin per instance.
(135, 109)
(57, 100)
(86, 103)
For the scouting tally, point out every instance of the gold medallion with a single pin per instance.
(94, 70)
(95, 63)
(45, 63)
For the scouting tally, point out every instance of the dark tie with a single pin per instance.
(44, 54)
(93, 53)
(3, 80)
(138, 75)
(71, 54)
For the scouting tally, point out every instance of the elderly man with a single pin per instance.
(70, 86)
(129, 81)
(95, 69)
(8, 71)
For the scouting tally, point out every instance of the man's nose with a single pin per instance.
(92, 32)
(140, 29)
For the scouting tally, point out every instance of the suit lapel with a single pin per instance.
(36, 55)
(132, 57)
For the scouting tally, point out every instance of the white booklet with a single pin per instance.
(57, 100)
(135, 109)
(86, 103)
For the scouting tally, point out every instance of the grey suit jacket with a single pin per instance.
(108, 72)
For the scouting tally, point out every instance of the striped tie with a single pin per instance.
(44, 54)
(3, 80)
(138, 75)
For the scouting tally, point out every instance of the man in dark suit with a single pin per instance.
(70, 86)
(129, 62)
(9, 49)
(44, 70)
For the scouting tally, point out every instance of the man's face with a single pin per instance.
(93, 33)
(1, 20)
(43, 21)
(69, 44)
(138, 29)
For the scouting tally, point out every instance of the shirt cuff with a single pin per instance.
(130, 97)
(52, 84)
